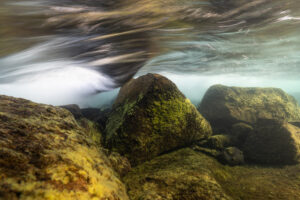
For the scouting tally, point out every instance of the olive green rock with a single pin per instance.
(217, 142)
(181, 175)
(189, 175)
(151, 116)
(46, 154)
(239, 133)
(224, 106)
(273, 142)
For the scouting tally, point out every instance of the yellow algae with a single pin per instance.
(46, 154)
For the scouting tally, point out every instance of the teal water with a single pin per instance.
(62, 52)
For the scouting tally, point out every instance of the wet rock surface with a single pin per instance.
(184, 174)
(232, 156)
(273, 142)
(46, 154)
(188, 175)
(224, 106)
(160, 147)
(151, 116)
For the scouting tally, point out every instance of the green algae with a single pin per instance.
(148, 121)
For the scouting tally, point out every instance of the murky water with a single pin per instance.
(61, 51)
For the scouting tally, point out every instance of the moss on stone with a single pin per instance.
(46, 154)
(273, 142)
(186, 174)
(224, 106)
(150, 117)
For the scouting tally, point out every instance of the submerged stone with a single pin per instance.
(184, 174)
(97, 115)
(45, 154)
(239, 133)
(151, 116)
(189, 175)
(273, 142)
(217, 142)
(232, 156)
(224, 106)
(74, 109)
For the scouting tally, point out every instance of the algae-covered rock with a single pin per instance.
(224, 106)
(45, 154)
(184, 174)
(232, 156)
(218, 142)
(119, 163)
(151, 116)
(74, 109)
(239, 133)
(189, 175)
(97, 115)
(273, 142)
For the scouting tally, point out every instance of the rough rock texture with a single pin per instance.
(273, 142)
(45, 154)
(120, 163)
(239, 133)
(97, 115)
(217, 142)
(74, 109)
(181, 175)
(189, 175)
(232, 156)
(224, 106)
(151, 116)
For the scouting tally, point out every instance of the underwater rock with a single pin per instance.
(97, 115)
(183, 174)
(239, 133)
(151, 116)
(189, 175)
(273, 142)
(224, 106)
(45, 154)
(217, 142)
(232, 156)
(295, 123)
(120, 163)
(74, 109)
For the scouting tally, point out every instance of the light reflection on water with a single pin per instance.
(246, 43)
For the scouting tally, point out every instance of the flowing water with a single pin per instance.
(70, 51)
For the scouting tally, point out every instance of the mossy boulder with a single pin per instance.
(239, 133)
(151, 116)
(217, 142)
(74, 109)
(224, 106)
(232, 156)
(184, 174)
(189, 175)
(273, 142)
(46, 154)
(97, 115)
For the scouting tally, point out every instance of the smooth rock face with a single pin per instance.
(224, 106)
(151, 116)
(45, 154)
(273, 142)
